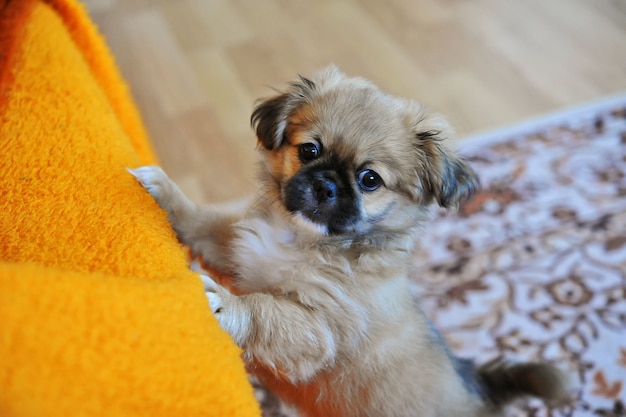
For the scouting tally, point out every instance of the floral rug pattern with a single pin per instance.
(534, 267)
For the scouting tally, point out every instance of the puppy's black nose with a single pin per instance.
(325, 190)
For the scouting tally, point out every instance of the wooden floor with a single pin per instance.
(196, 66)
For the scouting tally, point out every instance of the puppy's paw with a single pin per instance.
(211, 289)
(229, 310)
(153, 179)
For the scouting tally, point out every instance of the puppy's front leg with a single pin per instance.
(281, 333)
(207, 230)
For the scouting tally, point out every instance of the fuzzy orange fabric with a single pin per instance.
(99, 313)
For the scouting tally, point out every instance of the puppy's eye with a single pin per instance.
(308, 151)
(369, 180)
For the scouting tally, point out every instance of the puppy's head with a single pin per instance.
(347, 159)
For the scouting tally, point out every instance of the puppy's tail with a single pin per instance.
(503, 382)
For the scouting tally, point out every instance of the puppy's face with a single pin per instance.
(346, 159)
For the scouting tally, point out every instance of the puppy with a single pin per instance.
(321, 257)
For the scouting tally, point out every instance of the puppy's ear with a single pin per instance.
(457, 182)
(444, 177)
(270, 117)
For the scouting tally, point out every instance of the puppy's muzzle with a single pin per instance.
(323, 196)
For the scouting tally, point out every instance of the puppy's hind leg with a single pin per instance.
(207, 230)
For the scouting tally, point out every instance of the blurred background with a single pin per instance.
(196, 67)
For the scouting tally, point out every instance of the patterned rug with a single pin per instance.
(534, 268)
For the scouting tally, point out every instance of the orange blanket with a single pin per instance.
(99, 314)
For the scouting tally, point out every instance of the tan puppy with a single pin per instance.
(321, 258)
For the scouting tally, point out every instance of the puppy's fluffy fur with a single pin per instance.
(321, 256)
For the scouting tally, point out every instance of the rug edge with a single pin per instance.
(531, 125)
